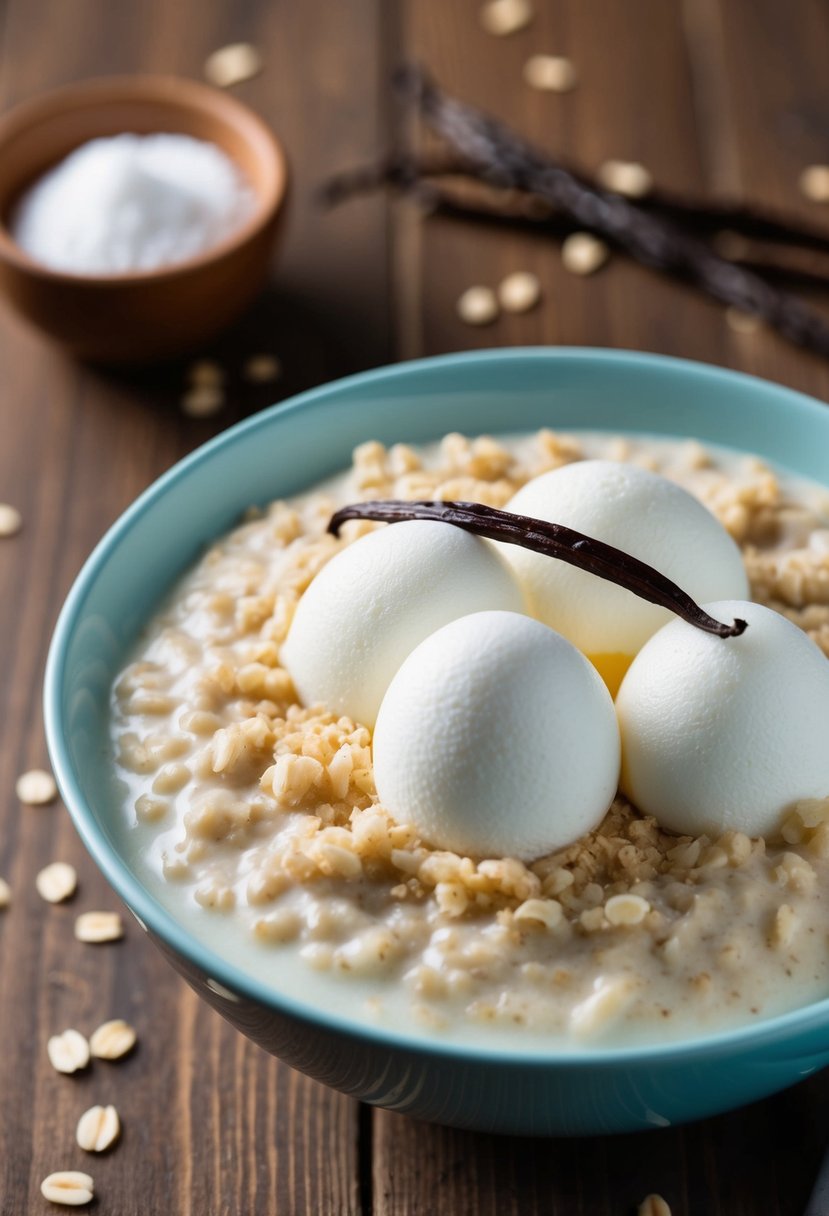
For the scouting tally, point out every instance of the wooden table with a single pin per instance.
(726, 95)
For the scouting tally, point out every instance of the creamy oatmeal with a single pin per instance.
(256, 819)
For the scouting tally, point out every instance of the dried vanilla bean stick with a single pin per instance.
(552, 540)
(648, 238)
(702, 216)
(437, 202)
(756, 224)
(519, 212)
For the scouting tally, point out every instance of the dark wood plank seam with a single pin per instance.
(702, 30)
(365, 1159)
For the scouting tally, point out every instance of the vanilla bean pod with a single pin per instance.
(551, 540)
(440, 203)
(705, 217)
(434, 201)
(708, 218)
(648, 238)
(521, 212)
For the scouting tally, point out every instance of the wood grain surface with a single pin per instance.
(710, 94)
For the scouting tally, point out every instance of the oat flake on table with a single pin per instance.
(625, 177)
(205, 373)
(36, 787)
(814, 183)
(478, 306)
(95, 927)
(519, 292)
(56, 882)
(262, 369)
(71, 1188)
(112, 1040)
(98, 1128)
(68, 1052)
(583, 254)
(203, 401)
(654, 1205)
(742, 322)
(233, 64)
(551, 73)
(502, 17)
(11, 521)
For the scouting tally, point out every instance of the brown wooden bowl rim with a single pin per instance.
(188, 93)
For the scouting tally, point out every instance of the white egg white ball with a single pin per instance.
(641, 513)
(724, 734)
(377, 599)
(496, 738)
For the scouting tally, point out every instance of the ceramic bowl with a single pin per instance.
(284, 450)
(143, 316)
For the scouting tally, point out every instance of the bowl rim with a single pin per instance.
(187, 93)
(152, 915)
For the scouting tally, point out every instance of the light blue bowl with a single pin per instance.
(282, 451)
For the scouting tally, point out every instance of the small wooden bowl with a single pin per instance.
(146, 315)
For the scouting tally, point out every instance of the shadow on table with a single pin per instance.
(758, 1161)
(313, 338)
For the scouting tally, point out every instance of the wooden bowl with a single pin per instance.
(140, 316)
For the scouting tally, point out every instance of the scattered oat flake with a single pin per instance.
(68, 1187)
(626, 177)
(262, 369)
(627, 909)
(68, 1052)
(36, 788)
(654, 1205)
(551, 73)
(5, 893)
(233, 64)
(501, 17)
(742, 322)
(112, 1040)
(205, 373)
(519, 292)
(814, 183)
(99, 927)
(583, 254)
(11, 521)
(203, 401)
(57, 882)
(478, 306)
(98, 1128)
